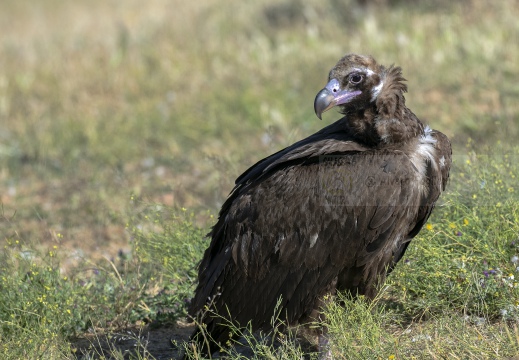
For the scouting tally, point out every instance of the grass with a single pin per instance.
(115, 117)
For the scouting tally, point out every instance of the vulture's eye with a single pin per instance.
(356, 78)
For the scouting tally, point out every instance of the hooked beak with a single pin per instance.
(332, 95)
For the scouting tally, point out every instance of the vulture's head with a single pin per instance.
(357, 82)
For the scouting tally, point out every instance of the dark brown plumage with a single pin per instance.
(334, 211)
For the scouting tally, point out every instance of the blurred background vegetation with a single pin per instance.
(170, 101)
(109, 105)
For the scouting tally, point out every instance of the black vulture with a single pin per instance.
(333, 212)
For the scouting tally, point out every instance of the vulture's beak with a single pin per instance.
(332, 95)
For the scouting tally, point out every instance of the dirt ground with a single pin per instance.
(159, 343)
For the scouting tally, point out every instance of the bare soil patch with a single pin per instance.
(158, 343)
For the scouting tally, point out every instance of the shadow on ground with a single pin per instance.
(147, 342)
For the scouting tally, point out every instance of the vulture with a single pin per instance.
(333, 212)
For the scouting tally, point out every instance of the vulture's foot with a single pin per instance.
(324, 348)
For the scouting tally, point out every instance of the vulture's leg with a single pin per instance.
(325, 352)
(323, 341)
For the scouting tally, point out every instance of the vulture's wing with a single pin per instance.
(301, 218)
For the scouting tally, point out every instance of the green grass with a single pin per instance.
(42, 309)
(114, 117)
(464, 259)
